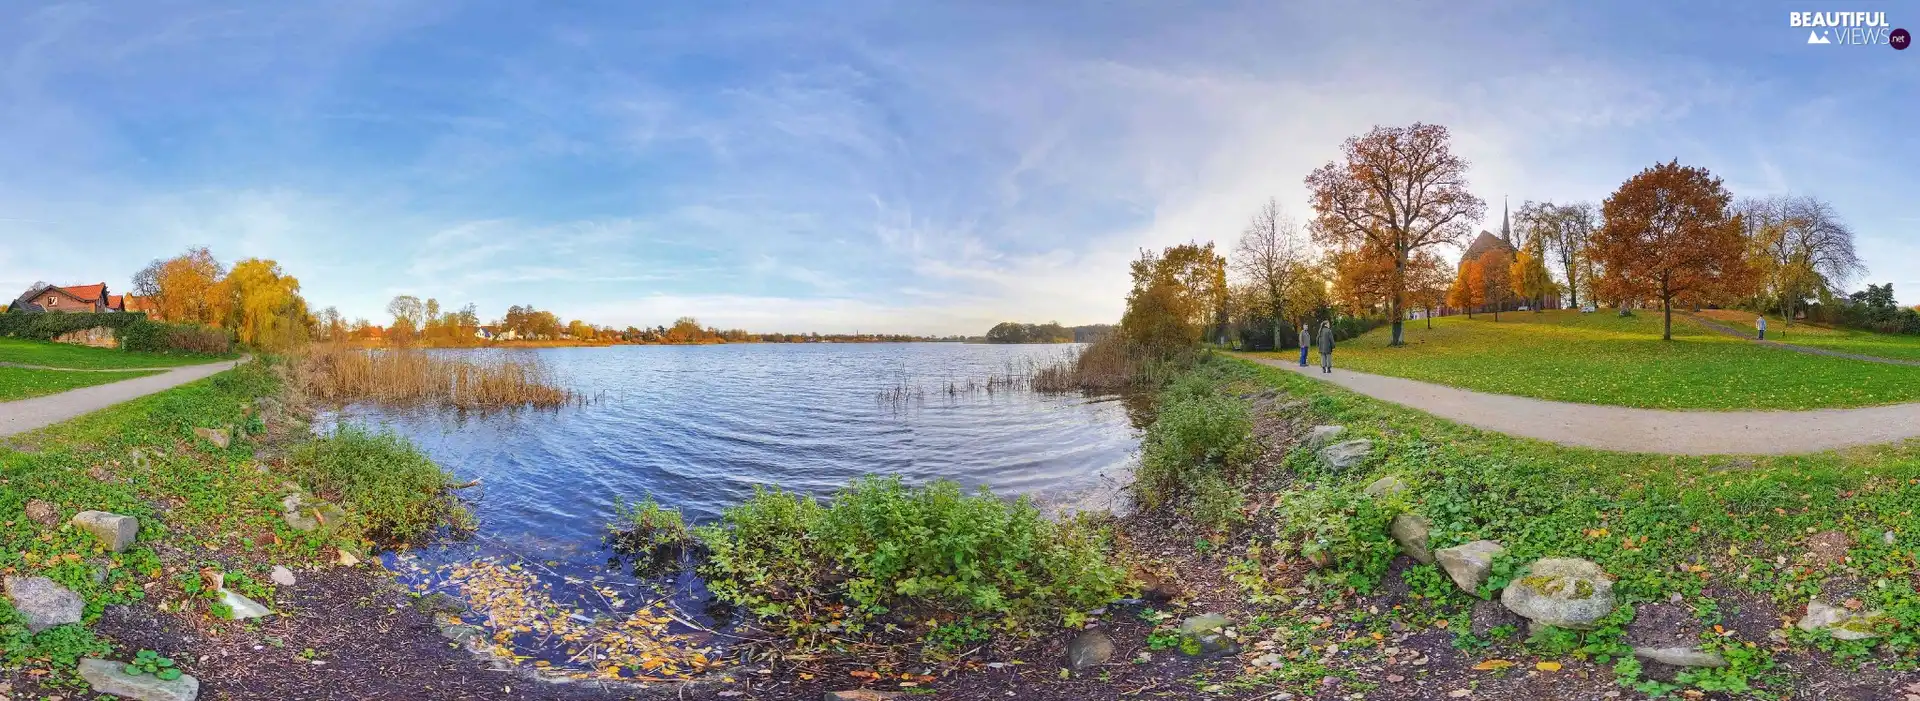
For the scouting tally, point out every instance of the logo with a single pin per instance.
(1848, 28)
(1900, 39)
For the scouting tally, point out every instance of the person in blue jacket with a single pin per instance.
(1306, 339)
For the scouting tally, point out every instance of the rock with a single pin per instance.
(346, 558)
(281, 576)
(1488, 615)
(1561, 592)
(1469, 564)
(1385, 487)
(1839, 622)
(1341, 456)
(863, 695)
(1321, 435)
(1210, 631)
(304, 513)
(43, 512)
(219, 437)
(115, 531)
(1681, 656)
(1826, 548)
(109, 677)
(43, 603)
(1410, 531)
(439, 602)
(243, 607)
(1089, 649)
(460, 633)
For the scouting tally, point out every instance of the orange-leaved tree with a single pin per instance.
(1496, 280)
(1530, 277)
(1396, 190)
(1427, 282)
(1469, 287)
(1667, 233)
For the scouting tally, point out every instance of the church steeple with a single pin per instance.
(1506, 232)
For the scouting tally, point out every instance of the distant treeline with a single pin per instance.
(1050, 332)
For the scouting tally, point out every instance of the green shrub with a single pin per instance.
(881, 545)
(397, 492)
(652, 534)
(1198, 431)
(44, 326)
(1341, 530)
(160, 337)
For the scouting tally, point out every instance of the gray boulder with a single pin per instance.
(1321, 435)
(43, 602)
(1385, 487)
(243, 608)
(219, 437)
(1410, 531)
(1680, 656)
(109, 677)
(1342, 456)
(1210, 631)
(1839, 622)
(1469, 564)
(115, 531)
(1089, 649)
(1562, 592)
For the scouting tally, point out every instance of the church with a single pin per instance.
(1504, 246)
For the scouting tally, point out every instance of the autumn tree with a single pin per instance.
(1395, 190)
(1529, 277)
(267, 310)
(1362, 279)
(187, 288)
(1427, 280)
(1667, 232)
(1270, 252)
(1561, 234)
(1798, 248)
(408, 314)
(1176, 294)
(1496, 280)
(1469, 287)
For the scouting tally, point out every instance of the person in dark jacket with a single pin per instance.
(1306, 341)
(1326, 346)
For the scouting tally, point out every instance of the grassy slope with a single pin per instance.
(1882, 345)
(1661, 525)
(20, 383)
(1603, 359)
(63, 355)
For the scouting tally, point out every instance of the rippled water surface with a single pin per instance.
(698, 427)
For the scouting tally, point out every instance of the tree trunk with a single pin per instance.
(1666, 310)
(1429, 318)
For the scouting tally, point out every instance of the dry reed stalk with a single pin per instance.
(406, 377)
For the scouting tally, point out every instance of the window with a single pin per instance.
(52, 300)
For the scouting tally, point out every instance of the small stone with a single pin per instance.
(109, 677)
(1342, 456)
(305, 514)
(1395, 679)
(439, 602)
(863, 695)
(1561, 592)
(43, 512)
(281, 576)
(1459, 694)
(1089, 649)
(346, 558)
(1889, 538)
(43, 602)
(1210, 630)
(1410, 531)
(219, 437)
(1470, 564)
(242, 607)
(1681, 656)
(1839, 622)
(115, 531)
(460, 633)
(1385, 487)
(1319, 436)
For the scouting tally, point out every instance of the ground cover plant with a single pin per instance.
(1602, 358)
(1741, 545)
(65, 355)
(395, 492)
(23, 383)
(1881, 345)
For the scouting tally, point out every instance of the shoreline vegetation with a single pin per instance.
(407, 377)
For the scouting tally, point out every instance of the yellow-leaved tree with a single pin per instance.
(266, 310)
(1530, 277)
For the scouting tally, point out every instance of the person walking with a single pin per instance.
(1306, 341)
(1326, 346)
(1760, 322)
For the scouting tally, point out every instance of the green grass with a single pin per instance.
(1881, 345)
(1604, 359)
(65, 355)
(1660, 525)
(20, 383)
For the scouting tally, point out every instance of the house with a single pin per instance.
(42, 297)
(1503, 247)
(484, 333)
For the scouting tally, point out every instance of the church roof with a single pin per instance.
(1485, 242)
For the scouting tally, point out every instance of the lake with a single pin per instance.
(699, 427)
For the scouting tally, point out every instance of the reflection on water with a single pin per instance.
(699, 427)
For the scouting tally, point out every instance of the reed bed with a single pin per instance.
(406, 377)
(1107, 365)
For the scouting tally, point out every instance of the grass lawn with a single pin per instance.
(1601, 358)
(20, 383)
(1880, 345)
(64, 355)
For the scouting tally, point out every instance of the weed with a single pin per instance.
(398, 494)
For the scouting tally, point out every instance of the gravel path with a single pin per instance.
(24, 366)
(1712, 325)
(28, 414)
(1630, 430)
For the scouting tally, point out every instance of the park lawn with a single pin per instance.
(65, 355)
(1879, 345)
(21, 383)
(1601, 358)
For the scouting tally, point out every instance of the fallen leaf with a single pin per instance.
(1493, 664)
(1547, 666)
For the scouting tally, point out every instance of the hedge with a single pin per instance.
(45, 326)
(133, 330)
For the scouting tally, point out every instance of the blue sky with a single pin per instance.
(877, 166)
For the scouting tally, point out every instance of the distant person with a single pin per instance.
(1326, 346)
(1760, 322)
(1306, 341)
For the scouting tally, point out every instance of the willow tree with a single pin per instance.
(1397, 190)
(1529, 275)
(1667, 233)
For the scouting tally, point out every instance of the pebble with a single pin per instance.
(281, 576)
(1395, 679)
(1458, 693)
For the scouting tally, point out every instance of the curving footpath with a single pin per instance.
(28, 414)
(1631, 430)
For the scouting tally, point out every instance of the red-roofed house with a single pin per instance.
(71, 298)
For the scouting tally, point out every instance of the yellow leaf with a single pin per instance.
(1547, 666)
(1493, 664)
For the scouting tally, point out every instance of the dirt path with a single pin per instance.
(28, 414)
(1631, 430)
(1716, 326)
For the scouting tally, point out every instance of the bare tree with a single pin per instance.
(1270, 251)
(1563, 232)
(1396, 190)
(1800, 246)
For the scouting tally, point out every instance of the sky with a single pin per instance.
(912, 167)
